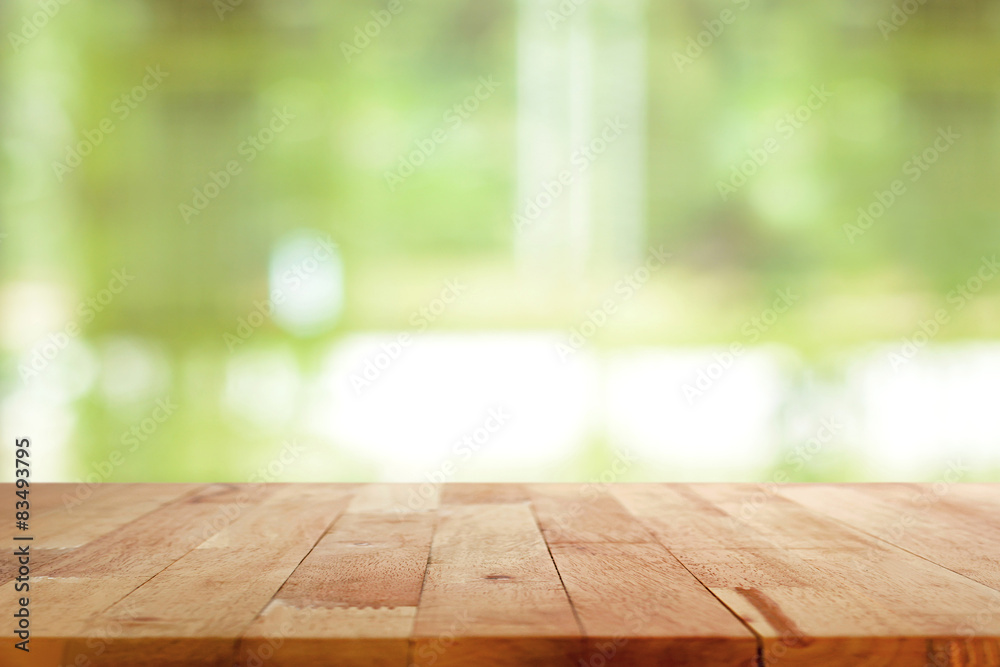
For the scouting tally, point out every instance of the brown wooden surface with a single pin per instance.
(510, 575)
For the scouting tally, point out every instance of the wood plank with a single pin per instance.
(50, 501)
(39, 559)
(984, 496)
(924, 520)
(681, 519)
(143, 547)
(164, 575)
(823, 591)
(395, 498)
(752, 573)
(62, 611)
(104, 513)
(483, 494)
(639, 606)
(571, 513)
(492, 594)
(780, 522)
(353, 600)
(211, 595)
(56, 497)
(286, 635)
(367, 560)
(70, 604)
(56, 532)
(634, 600)
(928, 601)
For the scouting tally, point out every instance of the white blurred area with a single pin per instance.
(502, 406)
(940, 408)
(899, 425)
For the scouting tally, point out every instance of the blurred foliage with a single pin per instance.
(891, 93)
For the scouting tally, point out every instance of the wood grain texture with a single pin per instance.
(570, 514)
(491, 592)
(211, 594)
(926, 520)
(87, 512)
(817, 590)
(353, 600)
(638, 604)
(502, 575)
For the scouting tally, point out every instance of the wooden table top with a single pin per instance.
(508, 574)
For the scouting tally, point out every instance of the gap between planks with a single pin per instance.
(756, 634)
(705, 496)
(411, 643)
(238, 642)
(884, 540)
(548, 547)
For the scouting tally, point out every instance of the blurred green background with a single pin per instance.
(245, 168)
